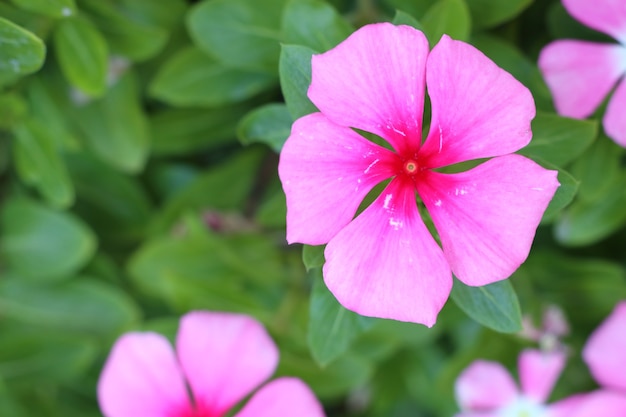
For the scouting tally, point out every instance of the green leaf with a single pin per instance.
(39, 164)
(115, 126)
(414, 8)
(52, 8)
(313, 23)
(494, 305)
(272, 213)
(13, 109)
(563, 196)
(295, 78)
(332, 328)
(269, 124)
(239, 33)
(451, 17)
(586, 222)
(59, 242)
(313, 256)
(402, 18)
(21, 52)
(84, 306)
(560, 140)
(490, 13)
(192, 78)
(83, 54)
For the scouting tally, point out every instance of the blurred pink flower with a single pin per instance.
(581, 74)
(605, 354)
(486, 389)
(385, 263)
(221, 358)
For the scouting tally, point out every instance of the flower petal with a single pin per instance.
(538, 372)
(487, 217)
(614, 120)
(566, 407)
(224, 357)
(604, 403)
(326, 171)
(484, 386)
(606, 16)
(283, 397)
(605, 351)
(580, 74)
(141, 378)
(374, 81)
(478, 109)
(385, 263)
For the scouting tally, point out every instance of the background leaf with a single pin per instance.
(21, 52)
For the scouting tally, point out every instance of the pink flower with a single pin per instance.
(486, 389)
(221, 358)
(385, 263)
(581, 74)
(605, 354)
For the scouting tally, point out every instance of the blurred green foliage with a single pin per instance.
(138, 152)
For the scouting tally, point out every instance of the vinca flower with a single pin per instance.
(220, 358)
(580, 74)
(486, 389)
(385, 262)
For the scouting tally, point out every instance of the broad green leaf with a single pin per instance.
(13, 109)
(179, 132)
(239, 33)
(494, 305)
(586, 222)
(313, 256)
(313, 23)
(41, 243)
(116, 127)
(332, 328)
(129, 31)
(415, 8)
(162, 14)
(272, 212)
(39, 163)
(83, 54)
(402, 18)
(53, 8)
(295, 78)
(269, 124)
(192, 78)
(563, 196)
(451, 17)
(490, 13)
(21, 52)
(84, 306)
(559, 140)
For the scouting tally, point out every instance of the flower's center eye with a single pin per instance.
(410, 167)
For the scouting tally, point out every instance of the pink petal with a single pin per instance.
(487, 217)
(224, 357)
(605, 351)
(538, 372)
(141, 378)
(566, 407)
(615, 117)
(607, 16)
(484, 386)
(283, 397)
(386, 263)
(602, 403)
(478, 109)
(374, 81)
(326, 171)
(580, 74)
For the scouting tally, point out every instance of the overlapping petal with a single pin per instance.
(478, 109)
(283, 397)
(487, 217)
(141, 378)
(538, 372)
(602, 403)
(567, 407)
(224, 357)
(374, 81)
(326, 170)
(580, 74)
(605, 351)
(615, 116)
(607, 16)
(485, 386)
(386, 264)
